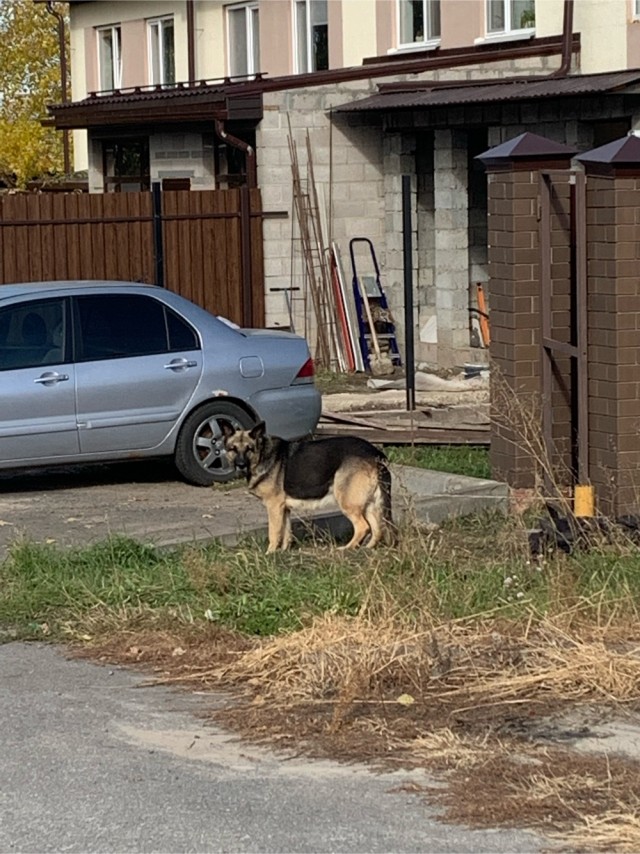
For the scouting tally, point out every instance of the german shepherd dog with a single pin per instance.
(315, 473)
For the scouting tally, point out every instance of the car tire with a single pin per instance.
(199, 456)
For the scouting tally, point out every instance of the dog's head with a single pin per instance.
(244, 447)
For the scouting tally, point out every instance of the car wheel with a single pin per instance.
(200, 456)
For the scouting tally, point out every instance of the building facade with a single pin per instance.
(208, 94)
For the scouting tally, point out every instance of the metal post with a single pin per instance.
(409, 359)
(245, 244)
(158, 246)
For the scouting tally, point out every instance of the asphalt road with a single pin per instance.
(92, 760)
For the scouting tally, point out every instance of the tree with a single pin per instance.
(29, 80)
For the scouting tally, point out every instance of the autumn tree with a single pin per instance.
(29, 80)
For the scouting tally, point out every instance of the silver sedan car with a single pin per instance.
(103, 371)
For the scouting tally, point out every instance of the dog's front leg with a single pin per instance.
(277, 514)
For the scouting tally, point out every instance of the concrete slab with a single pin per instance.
(84, 505)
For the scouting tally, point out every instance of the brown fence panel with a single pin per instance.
(73, 236)
(202, 244)
(110, 236)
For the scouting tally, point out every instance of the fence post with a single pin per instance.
(245, 248)
(407, 249)
(158, 248)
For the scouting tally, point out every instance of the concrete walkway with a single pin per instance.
(146, 501)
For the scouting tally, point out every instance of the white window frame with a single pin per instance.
(635, 10)
(153, 23)
(508, 33)
(116, 56)
(429, 40)
(251, 14)
(308, 69)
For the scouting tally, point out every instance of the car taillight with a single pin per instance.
(307, 370)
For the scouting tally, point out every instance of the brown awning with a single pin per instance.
(416, 95)
(179, 103)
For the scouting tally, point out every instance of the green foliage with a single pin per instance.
(29, 80)
(456, 459)
(474, 566)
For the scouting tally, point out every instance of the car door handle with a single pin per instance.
(178, 364)
(51, 377)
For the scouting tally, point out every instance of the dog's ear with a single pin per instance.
(258, 431)
(227, 429)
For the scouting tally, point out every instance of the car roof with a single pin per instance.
(29, 288)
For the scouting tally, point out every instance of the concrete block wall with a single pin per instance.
(347, 163)
(359, 163)
(186, 155)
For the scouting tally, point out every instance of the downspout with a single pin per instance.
(63, 80)
(191, 43)
(245, 219)
(567, 39)
(249, 152)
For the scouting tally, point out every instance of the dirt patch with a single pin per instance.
(477, 712)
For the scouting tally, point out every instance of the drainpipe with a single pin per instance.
(63, 80)
(191, 43)
(567, 39)
(249, 153)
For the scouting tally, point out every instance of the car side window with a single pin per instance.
(181, 335)
(33, 334)
(116, 326)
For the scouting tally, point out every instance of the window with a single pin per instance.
(419, 21)
(125, 165)
(116, 326)
(311, 35)
(32, 334)
(243, 35)
(109, 58)
(162, 59)
(506, 16)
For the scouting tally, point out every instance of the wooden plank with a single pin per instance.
(196, 271)
(21, 248)
(95, 252)
(172, 248)
(60, 260)
(349, 418)
(72, 237)
(434, 436)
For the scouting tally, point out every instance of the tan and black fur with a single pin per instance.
(310, 474)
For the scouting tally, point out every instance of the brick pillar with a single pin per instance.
(613, 247)
(514, 295)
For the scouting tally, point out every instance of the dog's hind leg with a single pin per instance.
(287, 534)
(375, 520)
(353, 491)
(360, 526)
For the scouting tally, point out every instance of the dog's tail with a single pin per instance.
(384, 479)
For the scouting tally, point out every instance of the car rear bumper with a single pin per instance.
(290, 413)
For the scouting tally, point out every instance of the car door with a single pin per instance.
(137, 366)
(37, 382)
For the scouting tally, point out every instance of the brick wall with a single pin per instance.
(514, 271)
(613, 239)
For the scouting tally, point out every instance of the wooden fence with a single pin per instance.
(204, 244)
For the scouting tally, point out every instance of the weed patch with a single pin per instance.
(447, 653)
